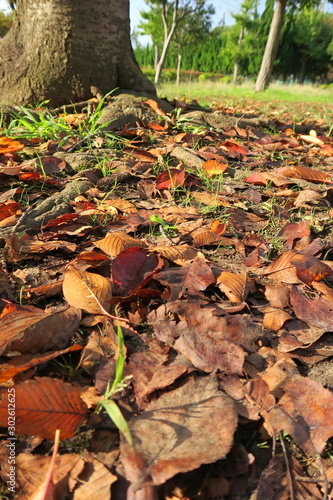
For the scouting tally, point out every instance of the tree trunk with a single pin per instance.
(168, 34)
(272, 46)
(156, 56)
(179, 63)
(236, 66)
(302, 72)
(57, 49)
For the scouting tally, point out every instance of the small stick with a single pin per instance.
(290, 480)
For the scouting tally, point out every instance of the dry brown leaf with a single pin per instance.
(26, 328)
(46, 490)
(235, 286)
(314, 404)
(116, 242)
(44, 405)
(281, 268)
(181, 254)
(277, 295)
(309, 268)
(8, 145)
(88, 291)
(32, 469)
(306, 173)
(208, 340)
(208, 238)
(191, 425)
(275, 319)
(19, 364)
(315, 312)
(209, 199)
(94, 482)
(122, 205)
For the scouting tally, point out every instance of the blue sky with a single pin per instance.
(221, 7)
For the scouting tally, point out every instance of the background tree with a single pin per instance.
(56, 51)
(151, 26)
(6, 21)
(191, 29)
(272, 44)
(313, 34)
(243, 25)
(168, 15)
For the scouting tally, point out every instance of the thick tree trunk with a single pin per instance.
(57, 49)
(272, 46)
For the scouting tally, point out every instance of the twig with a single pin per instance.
(161, 228)
(290, 480)
(324, 475)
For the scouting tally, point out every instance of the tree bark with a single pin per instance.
(272, 46)
(57, 49)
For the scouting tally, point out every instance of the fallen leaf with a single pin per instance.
(214, 167)
(88, 291)
(26, 328)
(316, 312)
(181, 254)
(310, 139)
(314, 404)
(309, 174)
(235, 286)
(94, 481)
(8, 145)
(275, 319)
(46, 490)
(44, 405)
(192, 425)
(32, 469)
(116, 242)
(170, 179)
(190, 279)
(210, 341)
(132, 269)
(21, 363)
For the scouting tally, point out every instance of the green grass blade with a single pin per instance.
(117, 418)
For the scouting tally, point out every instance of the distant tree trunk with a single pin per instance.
(302, 72)
(56, 50)
(272, 46)
(156, 55)
(236, 66)
(168, 34)
(179, 63)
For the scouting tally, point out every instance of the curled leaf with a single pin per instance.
(88, 291)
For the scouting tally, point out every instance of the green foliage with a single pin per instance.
(306, 46)
(5, 23)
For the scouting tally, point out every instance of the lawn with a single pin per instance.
(208, 92)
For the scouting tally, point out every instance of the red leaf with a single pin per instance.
(132, 269)
(171, 178)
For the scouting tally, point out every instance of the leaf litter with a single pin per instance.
(211, 249)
